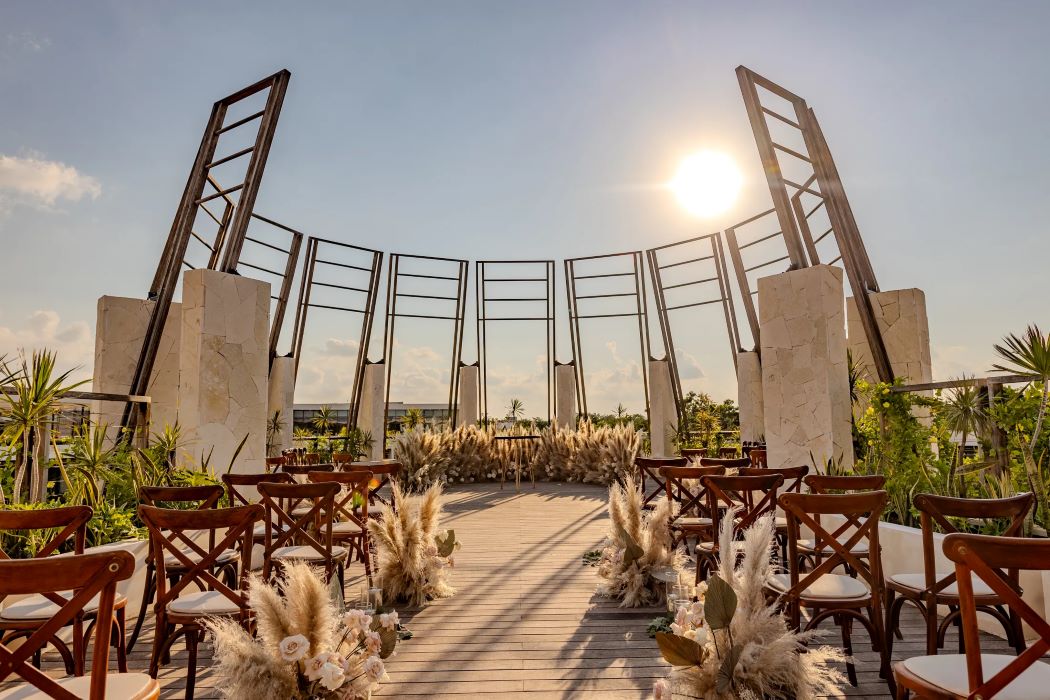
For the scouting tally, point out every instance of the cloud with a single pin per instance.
(688, 367)
(34, 181)
(44, 328)
(28, 41)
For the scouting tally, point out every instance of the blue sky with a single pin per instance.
(525, 130)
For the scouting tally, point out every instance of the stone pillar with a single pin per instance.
(749, 397)
(805, 383)
(565, 396)
(120, 329)
(468, 396)
(901, 317)
(281, 398)
(224, 374)
(371, 415)
(663, 415)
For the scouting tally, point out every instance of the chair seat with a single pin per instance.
(829, 587)
(306, 553)
(806, 545)
(691, 522)
(260, 529)
(172, 562)
(38, 607)
(345, 529)
(203, 603)
(781, 522)
(948, 671)
(127, 686)
(917, 582)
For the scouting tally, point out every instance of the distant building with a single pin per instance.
(303, 413)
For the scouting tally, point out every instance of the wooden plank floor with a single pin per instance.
(526, 622)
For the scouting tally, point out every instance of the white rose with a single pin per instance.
(373, 643)
(332, 676)
(389, 620)
(373, 666)
(294, 648)
(357, 620)
(314, 665)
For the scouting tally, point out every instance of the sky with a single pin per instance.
(538, 130)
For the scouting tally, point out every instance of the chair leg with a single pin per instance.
(79, 647)
(191, 670)
(121, 639)
(930, 608)
(1017, 632)
(367, 557)
(892, 603)
(160, 634)
(147, 596)
(845, 623)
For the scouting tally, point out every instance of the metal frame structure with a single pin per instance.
(393, 294)
(823, 184)
(736, 252)
(369, 288)
(285, 276)
(482, 301)
(233, 224)
(694, 267)
(641, 313)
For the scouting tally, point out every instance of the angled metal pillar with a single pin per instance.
(530, 273)
(232, 224)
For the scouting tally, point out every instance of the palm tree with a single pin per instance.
(516, 410)
(323, 419)
(1028, 356)
(274, 430)
(965, 413)
(33, 397)
(413, 417)
(621, 412)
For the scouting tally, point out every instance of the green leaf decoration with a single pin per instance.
(719, 604)
(632, 551)
(679, 651)
(448, 545)
(724, 683)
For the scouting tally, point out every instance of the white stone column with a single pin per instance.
(224, 377)
(281, 398)
(565, 396)
(371, 415)
(468, 396)
(901, 317)
(805, 383)
(749, 397)
(663, 415)
(120, 329)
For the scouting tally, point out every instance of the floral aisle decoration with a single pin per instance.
(414, 557)
(638, 544)
(730, 643)
(306, 649)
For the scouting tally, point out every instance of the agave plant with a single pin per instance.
(965, 412)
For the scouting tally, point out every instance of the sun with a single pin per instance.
(706, 183)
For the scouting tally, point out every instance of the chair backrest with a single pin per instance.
(310, 527)
(758, 457)
(274, 463)
(849, 483)
(352, 483)
(986, 557)
(341, 459)
(793, 476)
(204, 497)
(312, 458)
(863, 509)
(752, 496)
(682, 485)
(693, 452)
(728, 452)
(67, 522)
(304, 470)
(727, 462)
(174, 533)
(88, 576)
(387, 473)
(239, 486)
(936, 510)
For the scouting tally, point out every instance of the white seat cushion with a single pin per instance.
(858, 548)
(691, 522)
(170, 560)
(346, 528)
(260, 529)
(830, 587)
(917, 582)
(37, 607)
(127, 686)
(203, 603)
(781, 522)
(306, 553)
(948, 671)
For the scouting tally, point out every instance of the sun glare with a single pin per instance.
(706, 183)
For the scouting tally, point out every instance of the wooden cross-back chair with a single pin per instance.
(728, 452)
(180, 611)
(726, 462)
(692, 453)
(196, 498)
(758, 457)
(275, 463)
(303, 470)
(682, 486)
(931, 588)
(747, 497)
(342, 459)
(306, 514)
(809, 551)
(793, 477)
(242, 490)
(92, 580)
(350, 524)
(66, 532)
(386, 472)
(986, 560)
(647, 468)
(837, 596)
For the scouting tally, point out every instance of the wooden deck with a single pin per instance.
(525, 622)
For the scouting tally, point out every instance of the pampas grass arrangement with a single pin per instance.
(638, 543)
(413, 558)
(732, 644)
(305, 648)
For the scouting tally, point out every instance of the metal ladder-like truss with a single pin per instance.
(684, 275)
(450, 276)
(600, 274)
(814, 200)
(225, 246)
(494, 285)
(344, 278)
